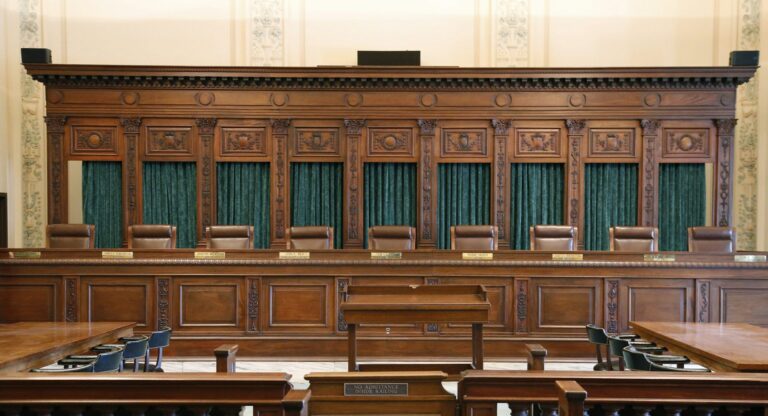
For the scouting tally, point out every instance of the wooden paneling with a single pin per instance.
(282, 296)
(24, 300)
(224, 299)
(613, 142)
(163, 140)
(93, 139)
(736, 301)
(391, 329)
(665, 300)
(536, 141)
(561, 305)
(688, 142)
(118, 299)
(499, 291)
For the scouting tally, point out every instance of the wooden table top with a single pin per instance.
(26, 345)
(416, 297)
(722, 346)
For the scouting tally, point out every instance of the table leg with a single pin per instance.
(477, 346)
(352, 347)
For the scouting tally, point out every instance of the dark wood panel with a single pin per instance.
(736, 301)
(23, 300)
(212, 304)
(118, 299)
(561, 305)
(499, 291)
(299, 305)
(664, 300)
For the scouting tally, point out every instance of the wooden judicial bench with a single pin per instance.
(291, 308)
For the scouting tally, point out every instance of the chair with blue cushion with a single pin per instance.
(106, 362)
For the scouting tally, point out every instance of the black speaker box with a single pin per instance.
(35, 56)
(403, 58)
(744, 58)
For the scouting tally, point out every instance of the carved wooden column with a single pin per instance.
(427, 185)
(353, 197)
(279, 183)
(649, 181)
(205, 127)
(130, 167)
(575, 205)
(57, 170)
(724, 172)
(500, 189)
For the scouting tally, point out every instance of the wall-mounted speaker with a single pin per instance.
(35, 56)
(744, 58)
(402, 58)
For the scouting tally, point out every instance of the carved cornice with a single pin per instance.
(575, 127)
(427, 127)
(650, 127)
(501, 127)
(354, 126)
(488, 79)
(725, 126)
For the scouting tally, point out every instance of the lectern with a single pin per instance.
(416, 304)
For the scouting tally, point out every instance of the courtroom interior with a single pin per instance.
(401, 207)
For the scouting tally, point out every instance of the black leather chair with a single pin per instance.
(87, 368)
(638, 360)
(106, 362)
(598, 337)
(616, 347)
(133, 349)
(157, 341)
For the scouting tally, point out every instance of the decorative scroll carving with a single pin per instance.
(169, 141)
(131, 134)
(703, 301)
(94, 141)
(341, 290)
(163, 303)
(238, 141)
(433, 327)
(612, 306)
(390, 142)
(686, 143)
(521, 305)
(650, 171)
(427, 128)
(205, 127)
(280, 137)
(354, 225)
(611, 143)
(55, 125)
(316, 142)
(575, 135)
(71, 300)
(463, 143)
(724, 201)
(537, 143)
(253, 304)
(501, 129)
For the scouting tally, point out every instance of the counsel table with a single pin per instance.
(417, 304)
(27, 345)
(721, 347)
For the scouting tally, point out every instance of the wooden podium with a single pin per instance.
(416, 304)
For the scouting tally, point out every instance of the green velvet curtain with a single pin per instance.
(463, 197)
(610, 198)
(682, 203)
(536, 197)
(390, 195)
(242, 198)
(103, 201)
(170, 197)
(316, 196)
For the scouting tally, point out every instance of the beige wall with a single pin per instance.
(329, 32)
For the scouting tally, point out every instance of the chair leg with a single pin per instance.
(135, 365)
(146, 361)
(608, 356)
(159, 364)
(621, 364)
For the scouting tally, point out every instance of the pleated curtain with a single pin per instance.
(316, 196)
(463, 197)
(242, 198)
(389, 195)
(682, 203)
(170, 197)
(103, 201)
(536, 197)
(610, 199)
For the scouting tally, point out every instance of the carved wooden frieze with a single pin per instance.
(611, 143)
(686, 143)
(316, 142)
(243, 141)
(463, 143)
(93, 141)
(169, 141)
(390, 142)
(537, 143)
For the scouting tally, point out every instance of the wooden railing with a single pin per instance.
(567, 393)
(155, 394)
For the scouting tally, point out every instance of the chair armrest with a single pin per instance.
(650, 349)
(668, 359)
(630, 337)
(108, 347)
(136, 338)
(682, 370)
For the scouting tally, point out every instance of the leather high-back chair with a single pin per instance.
(712, 240)
(70, 235)
(475, 237)
(151, 236)
(391, 237)
(637, 239)
(229, 237)
(318, 237)
(554, 237)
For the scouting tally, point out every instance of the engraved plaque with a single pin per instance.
(116, 254)
(316, 142)
(375, 389)
(568, 256)
(211, 255)
(464, 143)
(243, 141)
(750, 258)
(658, 257)
(25, 254)
(477, 256)
(386, 255)
(293, 255)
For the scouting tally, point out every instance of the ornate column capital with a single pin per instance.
(427, 127)
(575, 126)
(280, 125)
(55, 124)
(206, 125)
(650, 127)
(354, 126)
(725, 126)
(131, 125)
(501, 127)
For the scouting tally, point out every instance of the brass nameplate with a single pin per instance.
(567, 256)
(658, 257)
(375, 389)
(210, 255)
(25, 254)
(386, 256)
(294, 255)
(750, 258)
(477, 256)
(116, 254)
